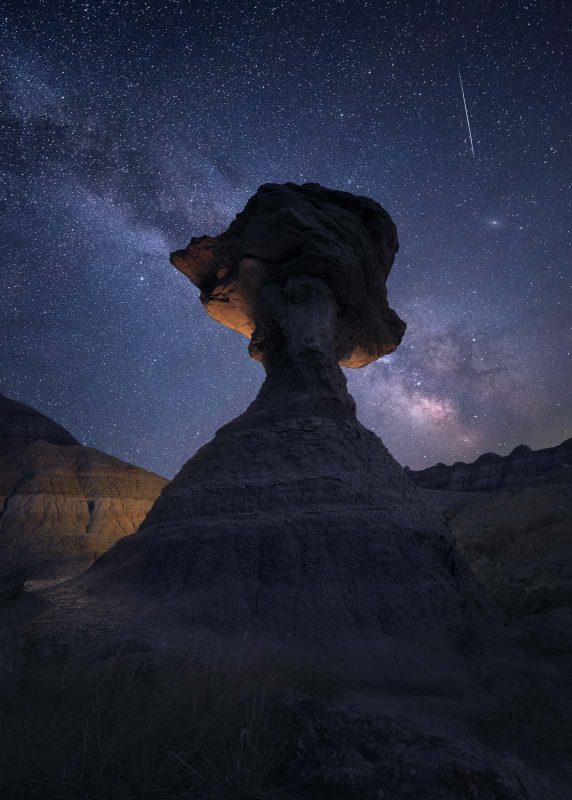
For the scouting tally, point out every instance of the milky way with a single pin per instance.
(128, 127)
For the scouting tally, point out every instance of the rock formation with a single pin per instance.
(335, 752)
(347, 242)
(519, 543)
(518, 538)
(62, 505)
(491, 472)
(294, 527)
(294, 533)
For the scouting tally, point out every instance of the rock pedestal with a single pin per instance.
(294, 528)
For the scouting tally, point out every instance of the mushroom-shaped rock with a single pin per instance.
(286, 230)
(294, 528)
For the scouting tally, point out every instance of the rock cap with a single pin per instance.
(285, 230)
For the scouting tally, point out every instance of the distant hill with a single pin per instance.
(491, 472)
(61, 504)
(512, 518)
(21, 425)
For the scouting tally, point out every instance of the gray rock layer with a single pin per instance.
(21, 425)
(301, 533)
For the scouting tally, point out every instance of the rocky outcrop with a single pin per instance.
(62, 505)
(512, 519)
(491, 472)
(519, 543)
(294, 528)
(334, 752)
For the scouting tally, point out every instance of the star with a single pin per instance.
(125, 133)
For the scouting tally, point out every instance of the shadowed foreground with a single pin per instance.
(132, 727)
(294, 543)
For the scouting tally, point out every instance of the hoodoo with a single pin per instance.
(294, 527)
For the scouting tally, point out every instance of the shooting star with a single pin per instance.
(467, 115)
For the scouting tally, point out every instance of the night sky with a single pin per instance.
(128, 127)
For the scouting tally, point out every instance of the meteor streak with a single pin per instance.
(467, 115)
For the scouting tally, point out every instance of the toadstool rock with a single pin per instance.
(294, 528)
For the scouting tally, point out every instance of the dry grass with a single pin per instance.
(133, 729)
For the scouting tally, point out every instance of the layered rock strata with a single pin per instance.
(62, 505)
(520, 544)
(511, 517)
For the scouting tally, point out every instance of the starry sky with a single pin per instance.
(127, 126)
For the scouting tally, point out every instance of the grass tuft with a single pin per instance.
(132, 728)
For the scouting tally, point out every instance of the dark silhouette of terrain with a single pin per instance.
(491, 472)
(512, 518)
(293, 619)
